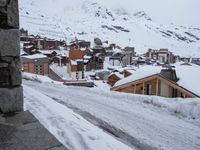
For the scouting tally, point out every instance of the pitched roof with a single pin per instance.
(188, 76)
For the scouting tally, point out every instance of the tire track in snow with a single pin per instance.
(117, 133)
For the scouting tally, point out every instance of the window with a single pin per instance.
(174, 93)
(38, 69)
(148, 89)
(83, 75)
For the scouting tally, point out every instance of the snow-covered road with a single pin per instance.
(70, 128)
(148, 125)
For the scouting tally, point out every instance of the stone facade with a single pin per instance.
(19, 130)
(9, 16)
(9, 41)
(11, 93)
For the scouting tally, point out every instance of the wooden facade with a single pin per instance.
(112, 79)
(155, 85)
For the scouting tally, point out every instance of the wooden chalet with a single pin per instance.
(114, 77)
(151, 80)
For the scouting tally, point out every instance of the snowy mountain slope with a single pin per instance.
(87, 19)
(141, 121)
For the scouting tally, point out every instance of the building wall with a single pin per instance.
(46, 68)
(28, 67)
(76, 54)
(33, 68)
(115, 62)
(113, 79)
(165, 89)
(76, 75)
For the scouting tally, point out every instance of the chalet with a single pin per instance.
(102, 75)
(166, 82)
(163, 56)
(76, 69)
(49, 53)
(60, 60)
(114, 77)
(30, 49)
(46, 43)
(195, 61)
(75, 64)
(130, 53)
(185, 59)
(23, 32)
(29, 38)
(37, 64)
(152, 54)
(77, 44)
(128, 72)
(117, 59)
(94, 62)
(99, 49)
(39, 42)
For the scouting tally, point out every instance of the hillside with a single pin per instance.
(116, 22)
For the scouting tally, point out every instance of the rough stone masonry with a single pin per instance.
(11, 97)
(19, 130)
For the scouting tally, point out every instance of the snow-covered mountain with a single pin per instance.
(135, 23)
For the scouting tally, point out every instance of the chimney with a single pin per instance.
(169, 73)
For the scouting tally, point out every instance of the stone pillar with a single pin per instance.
(11, 92)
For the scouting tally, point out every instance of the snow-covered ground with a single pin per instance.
(70, 128)
(61, 71)
(143, 122)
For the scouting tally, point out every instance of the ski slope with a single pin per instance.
(136, 23)
(138, 121)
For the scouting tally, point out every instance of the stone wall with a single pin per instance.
(11, 97)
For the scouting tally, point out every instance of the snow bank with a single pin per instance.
(186, 108)
(38, 78)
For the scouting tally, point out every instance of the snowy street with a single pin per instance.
(135, 120)
(68, 127)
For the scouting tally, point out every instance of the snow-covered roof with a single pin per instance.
(82, 49)
(28, 46)
(59, 52)
(87, 57)
(117, 74)
(48, 51)
(64, 53)
(86, 60)
(117, 50)
(142, 72)
(188, 76)
(73, 62)
(35, 56)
